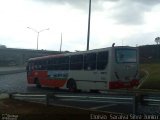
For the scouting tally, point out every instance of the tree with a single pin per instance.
(2, 46)
(157, 40)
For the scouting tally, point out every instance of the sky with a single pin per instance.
(123, 22)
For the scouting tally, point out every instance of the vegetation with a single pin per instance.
(150, 75)
(157, 40)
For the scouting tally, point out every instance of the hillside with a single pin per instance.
(151, 76)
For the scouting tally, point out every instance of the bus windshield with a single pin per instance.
(126, 55)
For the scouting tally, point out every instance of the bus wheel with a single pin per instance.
(38, 85)
(71, 85)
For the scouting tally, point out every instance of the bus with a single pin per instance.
(99, 69)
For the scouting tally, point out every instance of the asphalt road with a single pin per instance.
(13, 83)
(96, 106)
(18, 83)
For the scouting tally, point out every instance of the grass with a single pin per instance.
(153, 72)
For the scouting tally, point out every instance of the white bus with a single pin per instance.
(99, 69)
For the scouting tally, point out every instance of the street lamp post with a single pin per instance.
(61, 43)
(89, 17)
(37, 33)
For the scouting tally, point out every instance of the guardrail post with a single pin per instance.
(138, 98)
(10, 96)
(135, 104)
(47, 99)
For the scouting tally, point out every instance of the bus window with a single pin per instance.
(76, 62)
(43, 65)
(50, 64)
(90, 61)
(126, 56)
(64, 63)
(61, 63)
(35, 65)
(102, 60)
(50, 61)
(55, 64)
(30, 66)
(39, 65)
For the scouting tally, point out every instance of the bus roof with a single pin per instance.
(76, 53)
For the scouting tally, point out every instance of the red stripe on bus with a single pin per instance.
(53, 83)
(120, 84)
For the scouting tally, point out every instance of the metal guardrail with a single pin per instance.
(101, 99)
(135, 100)
(40, 98)
(148, 100)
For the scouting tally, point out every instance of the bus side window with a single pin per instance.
(102, 60)
(55, 64)
(43, 64)
(90, 61)
(50, 64)
(38, 65)
(32, 66)
(76, 62)
(64, 63)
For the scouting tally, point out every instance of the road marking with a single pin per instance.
(98, 107)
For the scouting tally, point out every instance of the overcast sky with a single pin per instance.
(124, 22)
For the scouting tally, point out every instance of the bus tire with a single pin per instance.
(71, 85)
(38, 85)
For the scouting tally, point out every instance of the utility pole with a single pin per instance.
(61, 43)
(89, 17)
